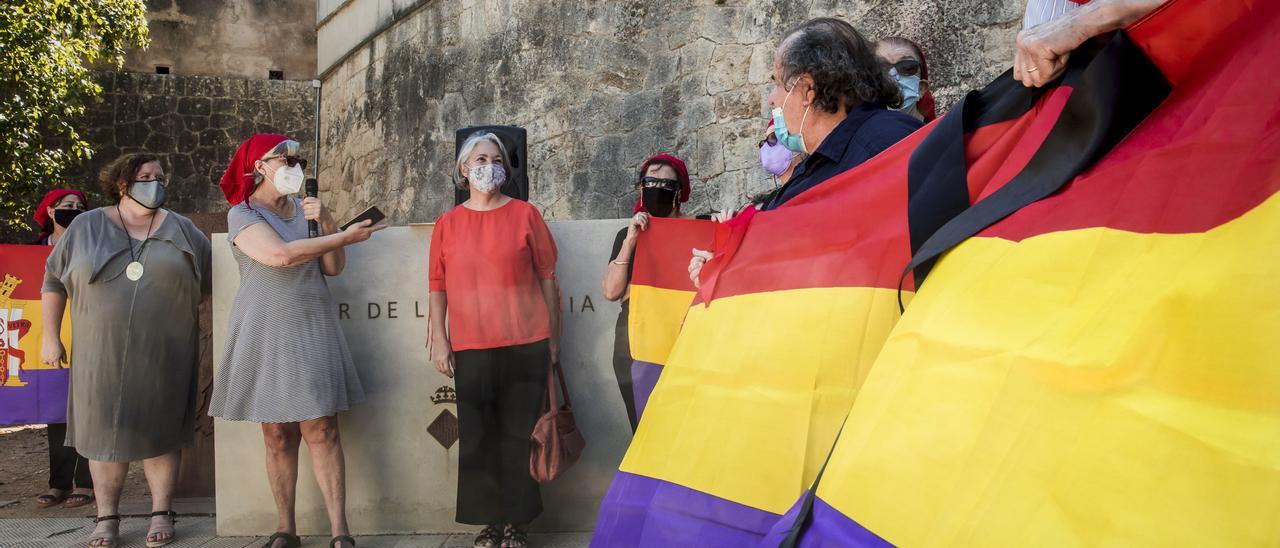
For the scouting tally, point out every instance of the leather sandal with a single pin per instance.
(334, 543)
(162, 529)
(76, 500)
(490, 537)
(515, 537)
(290, 540)
(96, 539)
(51, 499)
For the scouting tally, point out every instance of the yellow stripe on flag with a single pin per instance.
(751, 417)
(654, 321)
(1083, 388)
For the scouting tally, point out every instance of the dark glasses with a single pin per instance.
(655, 182)
(292, 161)
(771, 140)
(907, 67)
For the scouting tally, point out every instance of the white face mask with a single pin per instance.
(487, 178)
(288, 180)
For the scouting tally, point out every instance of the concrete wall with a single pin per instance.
(241, 38)
(600, 85)
(193, 123)
(401, 464)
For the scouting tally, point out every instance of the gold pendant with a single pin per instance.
(133, 271)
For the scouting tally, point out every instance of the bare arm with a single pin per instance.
(615, 281)
(1042, 51)
(262, 244)
(52, 306)
(437, 334)
(332, 262)
(551, 294)
(614, 285)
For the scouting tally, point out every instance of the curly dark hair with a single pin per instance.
(121, 171)
(843, 65)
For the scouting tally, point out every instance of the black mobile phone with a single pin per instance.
(373, 214)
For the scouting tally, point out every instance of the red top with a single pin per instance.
(491, 264)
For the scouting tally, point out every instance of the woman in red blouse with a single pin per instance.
(493, 271)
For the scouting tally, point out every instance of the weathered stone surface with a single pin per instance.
(191, 126)
(600, 86)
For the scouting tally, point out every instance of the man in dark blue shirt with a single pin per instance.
(835, 92)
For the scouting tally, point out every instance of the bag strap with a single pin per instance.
(564, 388)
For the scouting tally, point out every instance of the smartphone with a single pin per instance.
(373, 214)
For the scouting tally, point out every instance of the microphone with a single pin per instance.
(313, 188)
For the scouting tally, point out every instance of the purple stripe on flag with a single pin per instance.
(642, 511)
(644, 376)
(827, 527)
(42, 401)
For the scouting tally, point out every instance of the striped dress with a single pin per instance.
(286, 359)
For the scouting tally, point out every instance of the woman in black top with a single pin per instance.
(663, 183)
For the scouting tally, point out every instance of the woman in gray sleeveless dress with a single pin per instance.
(286, 363)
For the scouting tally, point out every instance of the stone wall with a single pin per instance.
(600, 86)
(194, 124)
(242, 38)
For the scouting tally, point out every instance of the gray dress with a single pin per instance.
(134, 345)
(286, 359)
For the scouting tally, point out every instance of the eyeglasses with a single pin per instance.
(907, 67)
(655, 182)
(771, 140)
(292, 161)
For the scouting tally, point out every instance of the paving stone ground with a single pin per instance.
(198, 532)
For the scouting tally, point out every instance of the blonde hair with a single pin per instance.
(464, 152)
(285, 148)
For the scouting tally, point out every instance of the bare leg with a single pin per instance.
(282, 472)
(108, 482)
(162, 475)
(325, 445)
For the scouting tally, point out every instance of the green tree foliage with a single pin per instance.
(47, 51)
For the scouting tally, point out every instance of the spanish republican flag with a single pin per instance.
(30, 392)
(660, 296)
(798, 302)
(1101, 367)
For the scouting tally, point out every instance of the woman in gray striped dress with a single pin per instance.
(286, 363)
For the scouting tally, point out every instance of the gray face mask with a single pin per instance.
(148, 194)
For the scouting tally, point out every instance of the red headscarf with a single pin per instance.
(237, 181)
(54, 196)
(682, 175)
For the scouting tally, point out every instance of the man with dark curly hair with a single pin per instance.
(830, 100)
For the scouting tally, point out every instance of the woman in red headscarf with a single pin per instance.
(663, 182)
(70, 483)
(286, 365)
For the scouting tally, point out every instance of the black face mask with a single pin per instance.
(659, 202)
(64, 216)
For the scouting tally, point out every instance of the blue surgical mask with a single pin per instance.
(910, 86)
(793, 141)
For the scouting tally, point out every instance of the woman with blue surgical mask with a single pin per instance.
(908, 68)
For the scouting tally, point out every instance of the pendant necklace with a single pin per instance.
(134, 270)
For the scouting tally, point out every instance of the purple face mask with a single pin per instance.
(775, 158)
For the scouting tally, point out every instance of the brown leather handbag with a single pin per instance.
(556, 443)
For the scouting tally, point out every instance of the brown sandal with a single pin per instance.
(162, 529)
(111, 538)
(490, 537)
(76, 500)
(51, 499)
